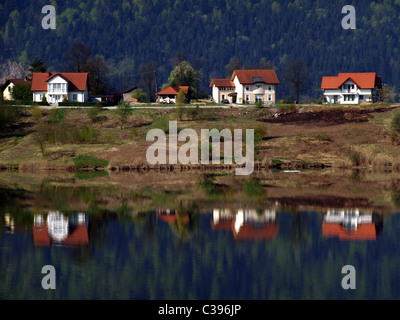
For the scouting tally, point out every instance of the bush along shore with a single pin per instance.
(296, 138)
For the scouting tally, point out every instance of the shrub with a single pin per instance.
(22, 91)
(92, 113)
(139, 95)
(252, 188)
(124, 110)
(260, 131)
(89, 162)
(37, 114)
(357, 158)
(259, 104)
(395, 127)
(65, 99)
(9, 115)
(44, 100)
(99, 106)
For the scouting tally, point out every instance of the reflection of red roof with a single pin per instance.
(362, 80)
(41, 236)
(221, 225)
(251, 232)
(78, 237)
(76, 81)
(173, 90)
(222, 83)
(171, 218)
(252, 76)
(336, 230)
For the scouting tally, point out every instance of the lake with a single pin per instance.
(275, 236)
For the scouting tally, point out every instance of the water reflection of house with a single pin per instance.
(57, 229)
(9, 223)
(171, 216)
(247, 224)
(351, 224)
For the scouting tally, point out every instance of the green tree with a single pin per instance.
(123, 111)
(22, 92)
(139, 94)
(181, 98)
(185, 75)
(180, 102)
(37, 66)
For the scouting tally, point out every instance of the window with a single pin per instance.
(259, 97)
(74, 97)
(269, 88)
(247, 88)
(361, 97)
(63, 87)
(247, 97)
(270, 97)
(258, 86)
(223, 97)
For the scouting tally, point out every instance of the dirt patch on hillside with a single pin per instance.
(324, 118)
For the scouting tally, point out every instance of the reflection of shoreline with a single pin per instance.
(57, 229)
(246, 224)
(351, 224)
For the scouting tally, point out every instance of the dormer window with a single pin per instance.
(259, 86)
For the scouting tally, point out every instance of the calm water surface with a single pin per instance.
(269, 249)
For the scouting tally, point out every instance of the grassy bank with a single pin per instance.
(288, 138)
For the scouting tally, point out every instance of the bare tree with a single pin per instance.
(296, 75)
(77, 57)
(147, 79)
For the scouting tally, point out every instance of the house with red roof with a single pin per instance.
(247, 87)
(169, 95)
(8, 87)
(58, 85)
(246, 224)
(351, 88)
(60, 230)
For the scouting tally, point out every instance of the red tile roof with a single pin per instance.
(173, 90)
(250, 76)
(16, 81)
(367, 80)
(76, 81)
(222, 83)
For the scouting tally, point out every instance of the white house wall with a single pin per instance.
(7, 93)
(239, 89)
